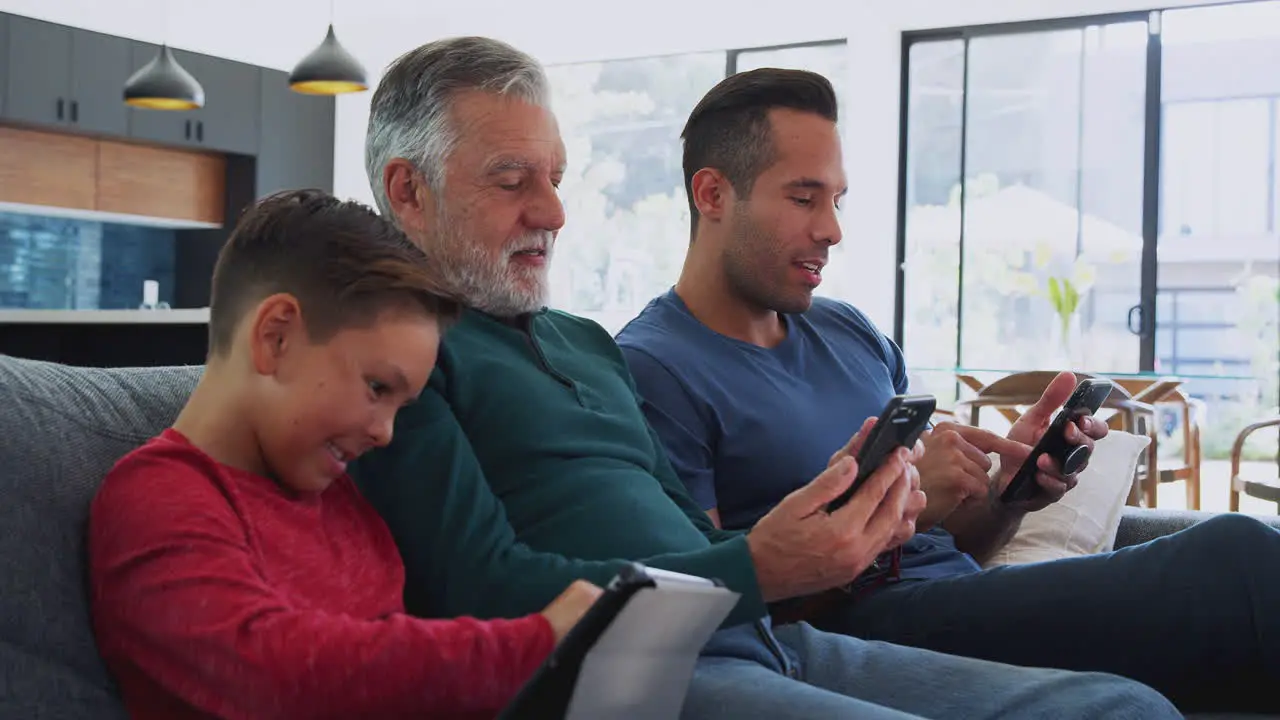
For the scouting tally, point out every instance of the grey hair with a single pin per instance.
(410, 114)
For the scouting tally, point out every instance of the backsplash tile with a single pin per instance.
(59, 263)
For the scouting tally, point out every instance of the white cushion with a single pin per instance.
(1085, 521)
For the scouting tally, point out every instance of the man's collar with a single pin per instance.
(520, 322)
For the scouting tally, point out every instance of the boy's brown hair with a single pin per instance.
(343, 262)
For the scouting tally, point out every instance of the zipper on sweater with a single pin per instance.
(526, 327)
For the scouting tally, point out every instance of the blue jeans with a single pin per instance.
(796, 671)
(1195, 615)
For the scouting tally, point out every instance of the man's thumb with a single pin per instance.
(826, 487)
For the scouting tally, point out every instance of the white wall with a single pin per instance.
(275, 33)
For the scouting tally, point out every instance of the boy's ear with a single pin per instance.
(274, 328)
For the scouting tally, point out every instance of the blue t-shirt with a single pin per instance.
(744, 425)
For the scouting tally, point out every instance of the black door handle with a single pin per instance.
(1136, 320)
(60, 104)
(75, 111)
(199, 131)
(188, 129)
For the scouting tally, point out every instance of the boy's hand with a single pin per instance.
(566, 610)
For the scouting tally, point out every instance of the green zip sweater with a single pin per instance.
(527, 463)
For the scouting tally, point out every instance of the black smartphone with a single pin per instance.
(900, 424)
(1087, 398)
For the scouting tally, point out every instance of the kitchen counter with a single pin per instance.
(181, 316)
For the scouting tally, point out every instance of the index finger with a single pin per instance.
(989, 442)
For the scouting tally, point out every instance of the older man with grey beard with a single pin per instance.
(527, 462)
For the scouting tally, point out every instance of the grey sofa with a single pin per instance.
(61, 428)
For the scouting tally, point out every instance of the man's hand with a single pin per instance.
(800, 549)
(916, 497)
(955, 467)
(1028, 430)
(566, 610)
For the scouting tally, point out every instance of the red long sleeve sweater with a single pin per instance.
(216, 594)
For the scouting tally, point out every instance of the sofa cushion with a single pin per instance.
(1086, 520)
(61, 429)
(1139, 525)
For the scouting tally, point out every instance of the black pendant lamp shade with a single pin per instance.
(163, 84)
(328, 70)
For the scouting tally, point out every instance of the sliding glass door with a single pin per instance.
(1101, 194)
(1053, 199)
(1022, 227)
(1219, 241)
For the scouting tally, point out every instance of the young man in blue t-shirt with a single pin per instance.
(752, 383)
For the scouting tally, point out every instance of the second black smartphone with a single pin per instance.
(1087, 398)
(904, 418)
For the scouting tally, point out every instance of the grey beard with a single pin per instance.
(480, 282)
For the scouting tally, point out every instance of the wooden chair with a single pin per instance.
(1264, 489)
(1013, 393)
(1167, 391)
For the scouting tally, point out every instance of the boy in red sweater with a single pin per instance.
(235, 570)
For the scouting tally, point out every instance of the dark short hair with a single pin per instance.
(729, 130)
(343, 262)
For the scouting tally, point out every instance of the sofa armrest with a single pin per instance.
(1139, 525)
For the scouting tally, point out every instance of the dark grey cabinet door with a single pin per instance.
(229, 118)
(100, 66)
(171, 127)
(4, 58)
(295, 148)
(39, 72)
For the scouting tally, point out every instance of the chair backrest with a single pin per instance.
(61, 430)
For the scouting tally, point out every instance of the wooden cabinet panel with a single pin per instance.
(42, 168)
(160, 182)
(74, 172)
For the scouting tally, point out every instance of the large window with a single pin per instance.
(627, 219)
(1099, 194)
(627, 224)
(1034, 257)
(1218, 246)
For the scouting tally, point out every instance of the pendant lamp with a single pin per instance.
(328, 70)
(163, 84)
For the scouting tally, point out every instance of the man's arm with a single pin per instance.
(178, 597)
(983, 525)
(987, 526)
(679, 429)
(461, 554)
(980, 525)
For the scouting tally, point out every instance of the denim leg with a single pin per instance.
(930, 684)
(737, 689)
(745, 673)
(1195, 615)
